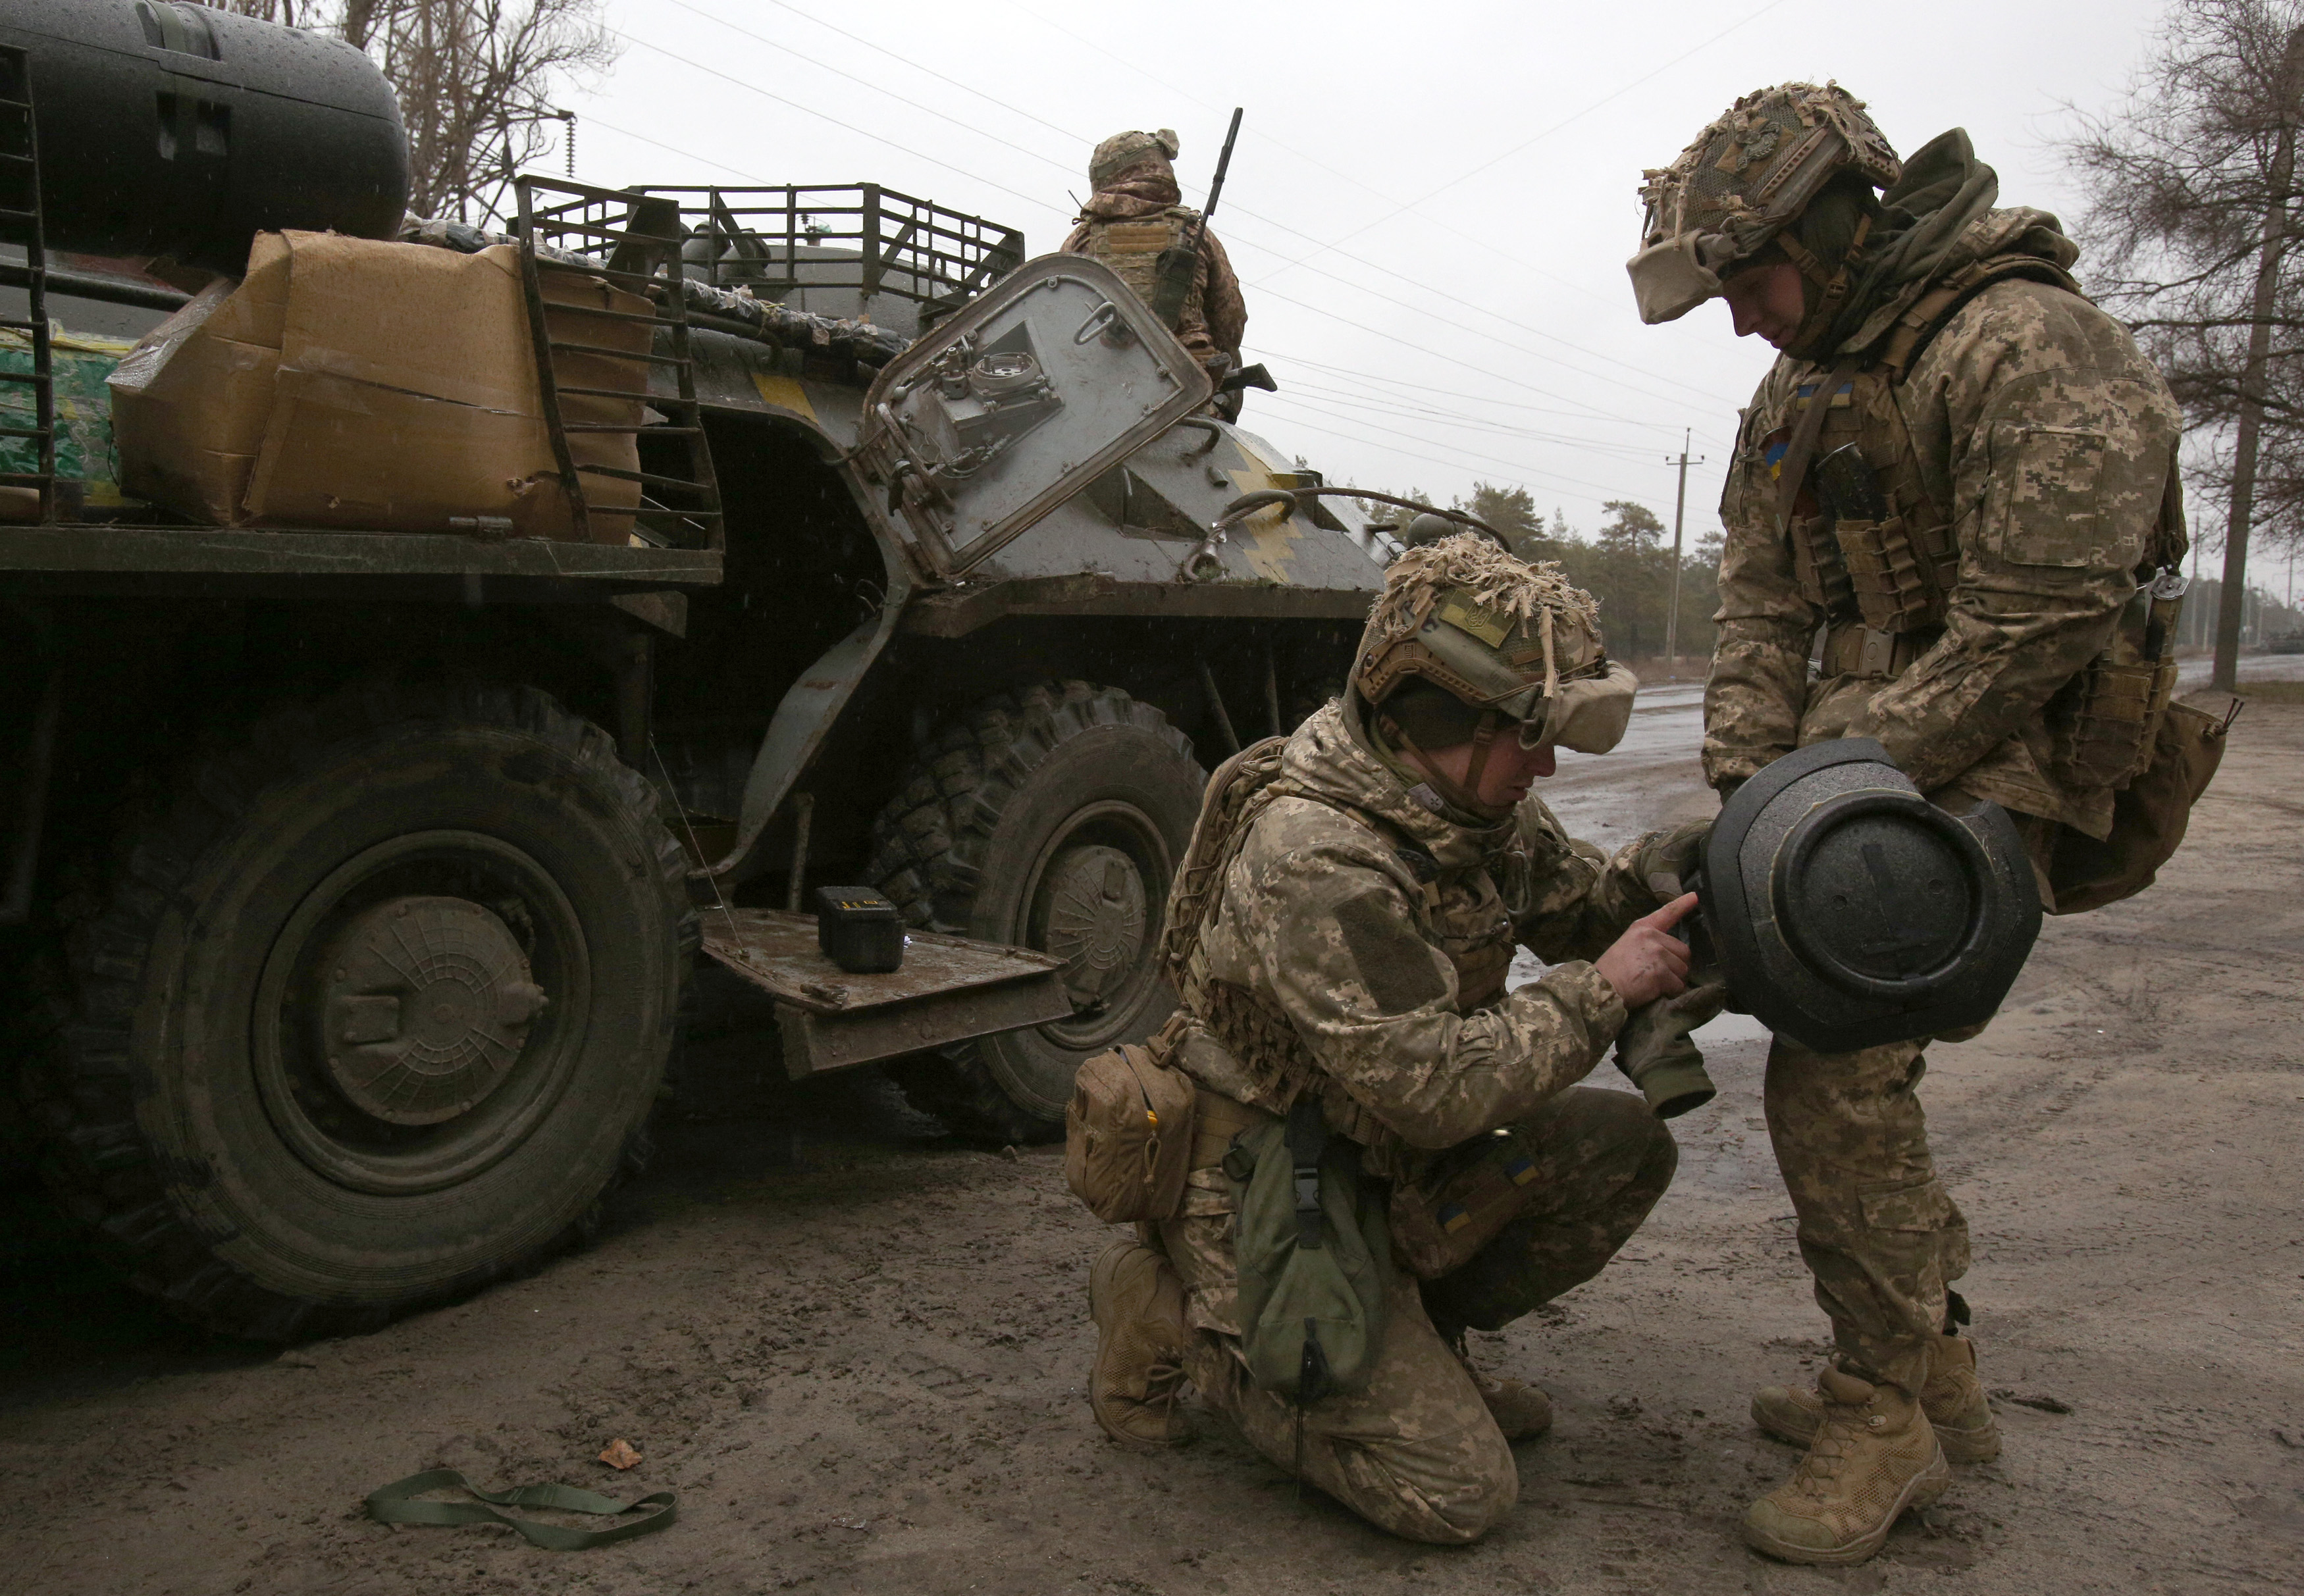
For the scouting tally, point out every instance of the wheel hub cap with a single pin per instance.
(426, 1006)
(1095, 918)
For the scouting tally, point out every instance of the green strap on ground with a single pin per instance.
(396, 1503)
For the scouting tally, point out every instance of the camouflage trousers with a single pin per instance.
(1877, 1229)
(1883, 1237)
(1416, 1452)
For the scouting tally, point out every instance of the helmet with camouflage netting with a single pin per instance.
(1121, 151)
(1466, 641)
(1733, 190)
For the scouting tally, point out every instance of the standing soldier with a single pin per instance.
(1341, 935)
(1133, 215)
(1997, 477)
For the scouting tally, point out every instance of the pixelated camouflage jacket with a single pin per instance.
(1127, 222)
(1359, 947)
(2040, 442)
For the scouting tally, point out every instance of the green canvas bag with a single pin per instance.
(1315, 1258)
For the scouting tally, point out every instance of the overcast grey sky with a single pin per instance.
(1430, 205)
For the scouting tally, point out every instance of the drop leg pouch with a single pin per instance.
(1315, 1258)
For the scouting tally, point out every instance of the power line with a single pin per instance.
(1238, 208)
(1565, 121)
(825, 116)
(1531, 483)
(1439, 443)
(1456, 360)
(598, 122)
(1378, 406)
(1387, 380)
(1310, 160)
(929, 70)
(1265, 287)
(763, 38)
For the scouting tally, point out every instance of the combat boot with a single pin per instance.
(1138, 1302)
(1519, 1409)
(1953, 1399)
(1873, 1456)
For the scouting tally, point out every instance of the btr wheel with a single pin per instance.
(1052, 819)
(376, 1010)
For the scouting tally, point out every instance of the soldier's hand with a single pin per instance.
(1647, 962)
(1663, 860)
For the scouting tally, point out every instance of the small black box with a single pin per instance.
(859, 930)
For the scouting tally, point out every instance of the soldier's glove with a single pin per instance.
(1657, 1052)
(1662, 861)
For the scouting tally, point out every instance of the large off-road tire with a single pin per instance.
(1052, 818)
(372, 1011)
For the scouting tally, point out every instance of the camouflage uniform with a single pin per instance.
(1133, 215)
(1357, 951)
(2026, 452)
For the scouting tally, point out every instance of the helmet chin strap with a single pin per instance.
(1461, 795)
(1831, 288)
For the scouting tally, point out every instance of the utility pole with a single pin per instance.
(1679, 514)
(2233, 599)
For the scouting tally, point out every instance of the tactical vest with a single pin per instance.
(1131, 247)
(1884, 585)
(1474, 924)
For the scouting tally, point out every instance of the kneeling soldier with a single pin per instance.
(1341, 934)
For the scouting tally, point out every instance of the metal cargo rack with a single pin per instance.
(797, 238)
(20, 224)
(632, 242)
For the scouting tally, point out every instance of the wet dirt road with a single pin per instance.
(856, 1350)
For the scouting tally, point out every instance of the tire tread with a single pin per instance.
(79, 1085)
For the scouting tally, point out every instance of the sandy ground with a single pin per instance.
(857, 1350)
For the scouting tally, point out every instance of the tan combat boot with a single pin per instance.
(1138, 1303)
(1953, 1399)
(1519, 1409)
(1873, 1456)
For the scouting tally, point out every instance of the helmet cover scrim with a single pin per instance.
(1746, 176)
(1499, 634)
(1121, 151)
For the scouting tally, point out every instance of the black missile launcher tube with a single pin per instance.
(182, 131)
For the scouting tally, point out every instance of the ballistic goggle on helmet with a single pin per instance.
(1731, 193)
(1515, 641)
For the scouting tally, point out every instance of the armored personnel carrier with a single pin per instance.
(353, 872)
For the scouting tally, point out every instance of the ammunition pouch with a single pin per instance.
(1897, 580)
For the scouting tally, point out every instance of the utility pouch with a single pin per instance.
(1127, 1134)
(1314, 1260)
(2148, 816)
(1464, 1203)
(2104, 725)
(2103, 732)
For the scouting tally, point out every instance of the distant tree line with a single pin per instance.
(2195, 211)
(1626, 564)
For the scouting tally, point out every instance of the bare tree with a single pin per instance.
(2193, 215)
(476, 81)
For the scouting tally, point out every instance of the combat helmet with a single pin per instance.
(1732, 192)
(1491, 644)
(1118, 153)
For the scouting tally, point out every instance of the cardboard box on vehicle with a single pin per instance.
(349, 383)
